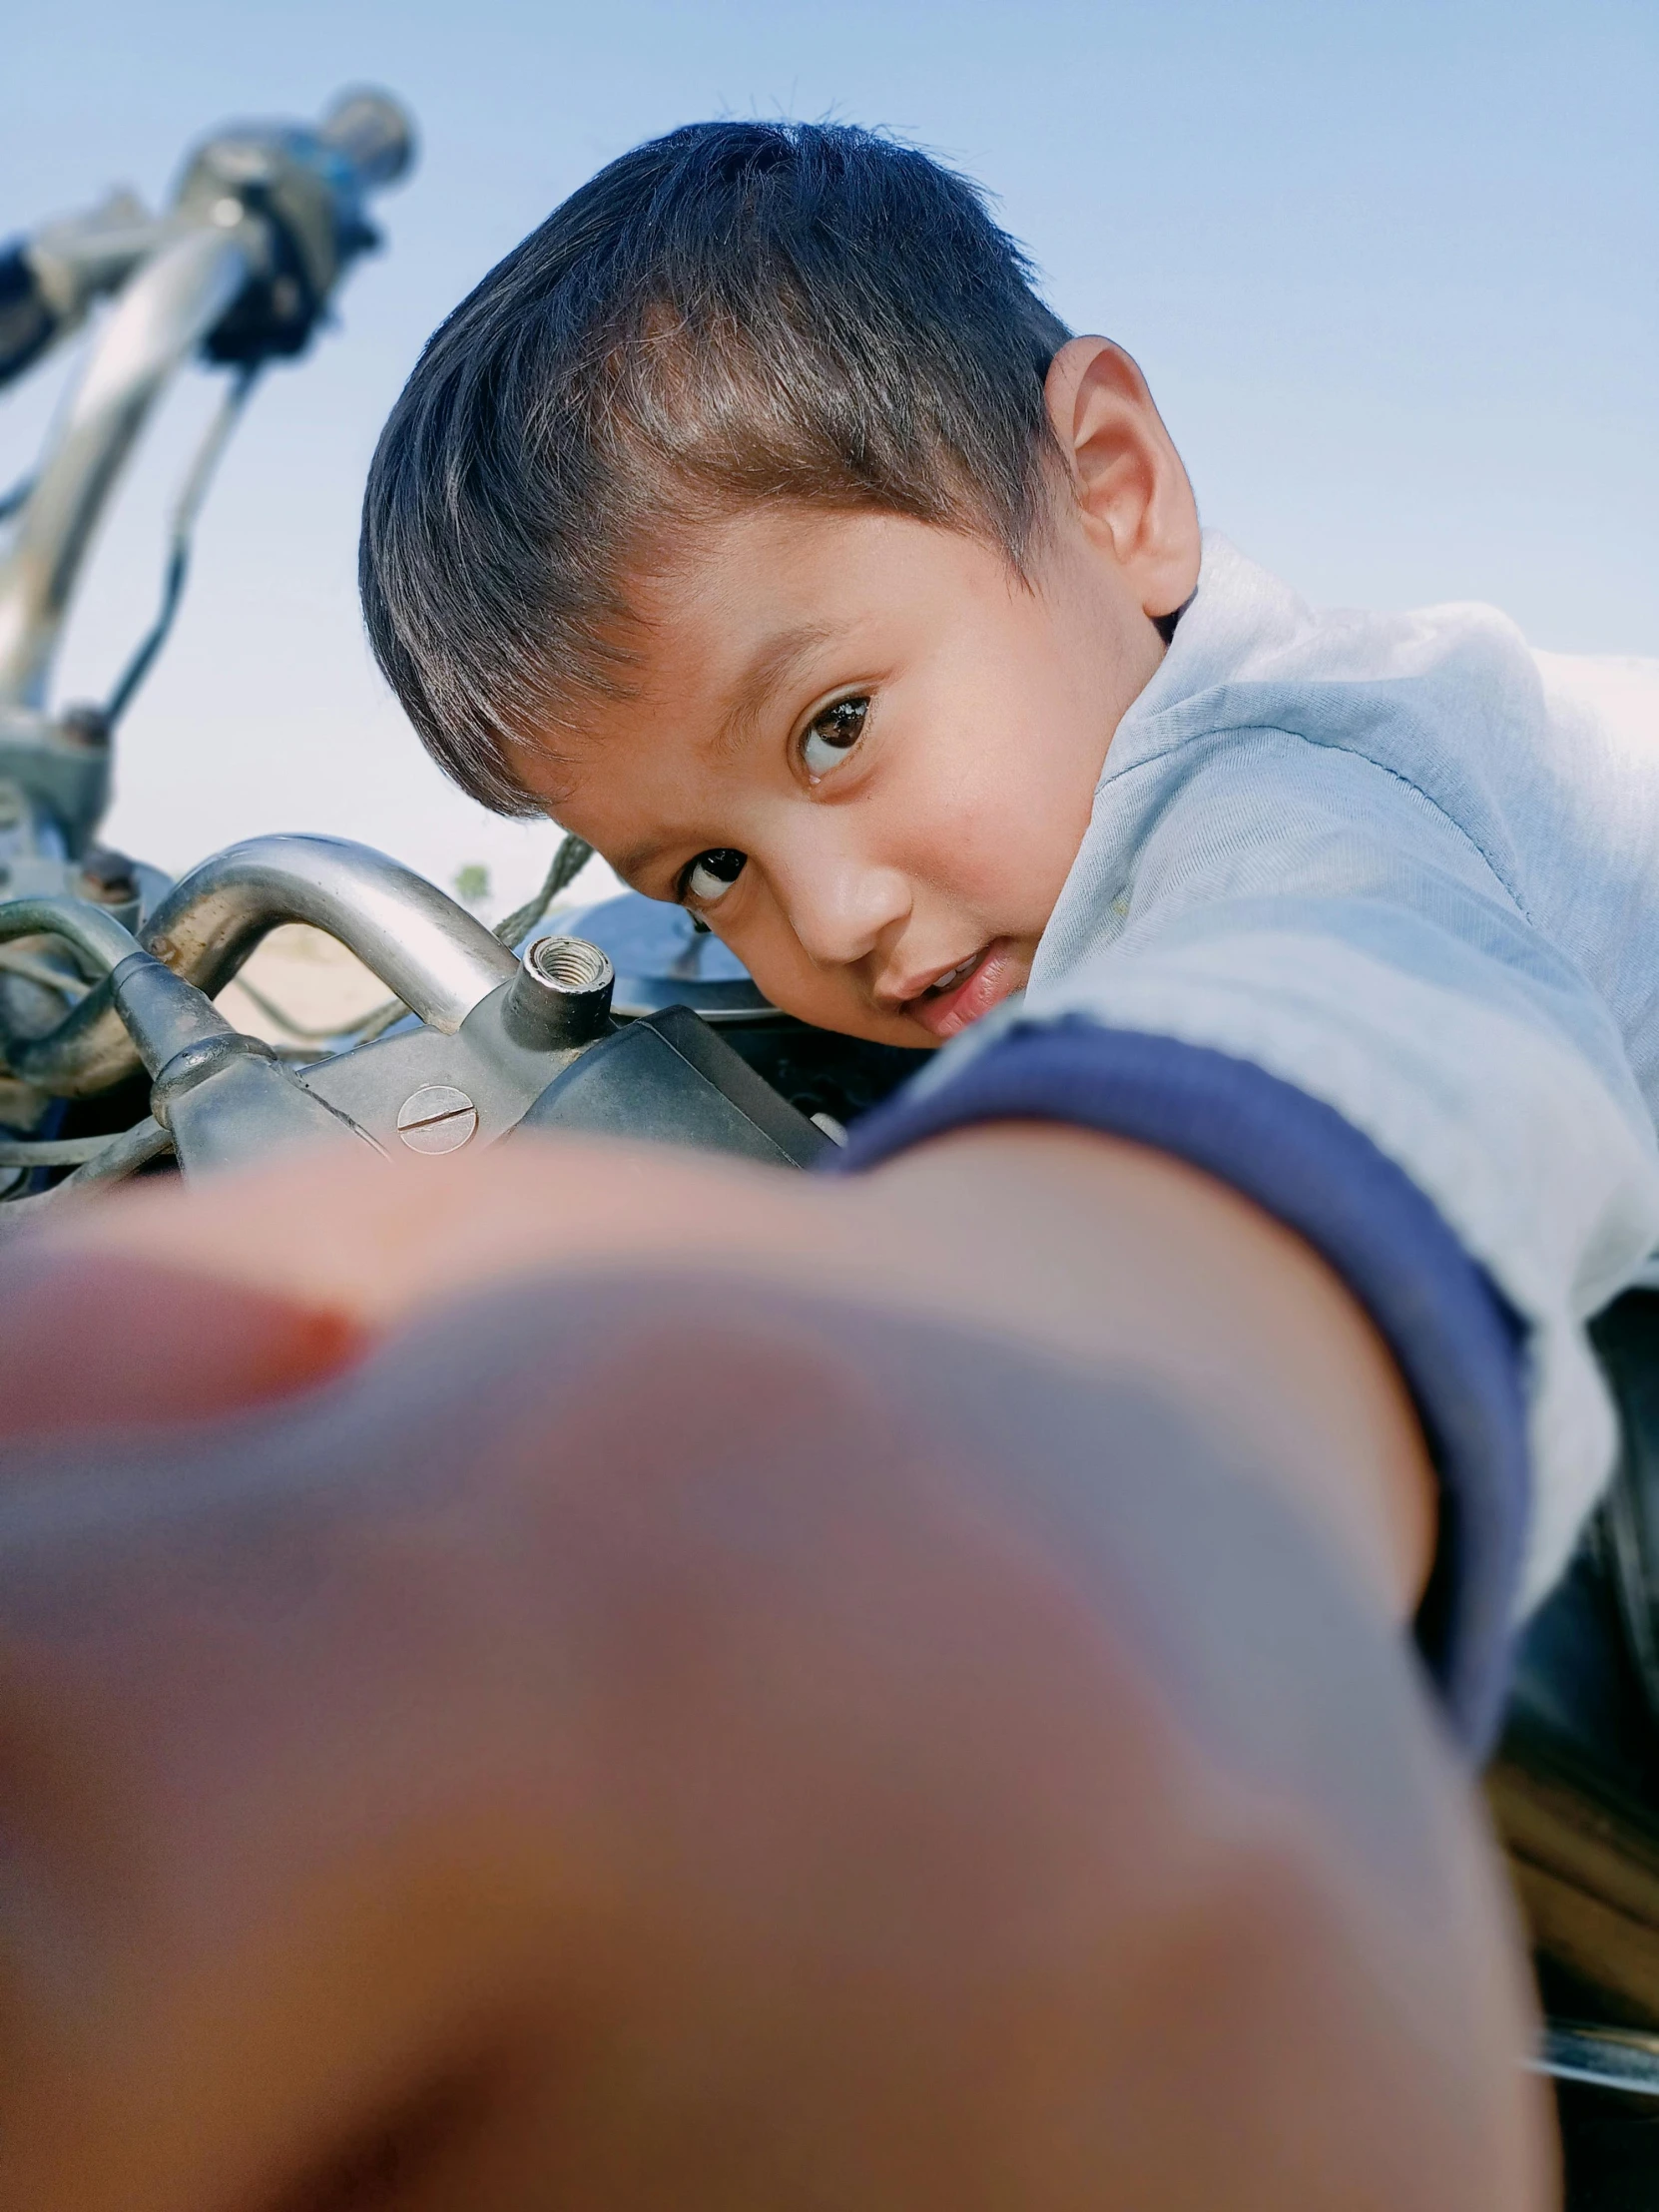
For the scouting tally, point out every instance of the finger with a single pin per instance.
(100, 1340)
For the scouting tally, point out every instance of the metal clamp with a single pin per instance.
(196, 1063)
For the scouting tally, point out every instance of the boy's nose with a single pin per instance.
(841, 908)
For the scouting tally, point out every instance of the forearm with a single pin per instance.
(1109, 1251)
(1090, 1248)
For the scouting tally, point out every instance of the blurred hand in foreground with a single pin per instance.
(656, 1729)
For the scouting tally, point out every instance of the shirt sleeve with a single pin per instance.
(1300, 976)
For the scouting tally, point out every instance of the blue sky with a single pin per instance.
(1390, 270)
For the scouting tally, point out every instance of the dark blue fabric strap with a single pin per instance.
(1458, 1345)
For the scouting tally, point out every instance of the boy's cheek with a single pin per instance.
(827, 997)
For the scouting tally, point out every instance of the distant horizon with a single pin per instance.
(1391, 273)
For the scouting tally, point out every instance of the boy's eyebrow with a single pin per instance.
(768, 667)
(766, 670)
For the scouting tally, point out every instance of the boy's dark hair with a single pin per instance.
(734, 314)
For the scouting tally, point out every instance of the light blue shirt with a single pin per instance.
(1412, 867)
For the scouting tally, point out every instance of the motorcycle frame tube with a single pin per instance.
(428, 951)
(97, 937)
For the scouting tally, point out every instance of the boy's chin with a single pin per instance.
(862, 1023)
(870, 1028)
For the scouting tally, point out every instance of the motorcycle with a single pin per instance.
(116, 1057)
(116, 1061)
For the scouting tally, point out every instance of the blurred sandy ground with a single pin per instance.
(320, 986)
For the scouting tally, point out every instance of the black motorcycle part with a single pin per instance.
(1574, 1786)
(821, 1072)
(1576, 1780)
(27, 321)
(670, 1079)
(275, 317)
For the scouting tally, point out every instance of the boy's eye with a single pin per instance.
(832, 735)
(712, 874)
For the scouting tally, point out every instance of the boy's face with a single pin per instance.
(864, 750)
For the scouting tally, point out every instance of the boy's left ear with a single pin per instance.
(1126, 476)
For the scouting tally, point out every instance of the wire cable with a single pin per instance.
(120, 1156)
(13, 501)
(32, 968)
(180, 539)
(572, 858)
(51, 1152)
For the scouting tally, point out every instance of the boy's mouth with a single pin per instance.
(971, 989)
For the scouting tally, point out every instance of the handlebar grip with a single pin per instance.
(374, 133)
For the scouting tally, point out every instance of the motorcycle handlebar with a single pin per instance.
(244, 262)
(49, 277)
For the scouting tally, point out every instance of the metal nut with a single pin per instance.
(437, 1118)
(560, 999)
(568, 964)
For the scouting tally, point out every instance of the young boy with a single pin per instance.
(756, 519)
(888, 1692)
